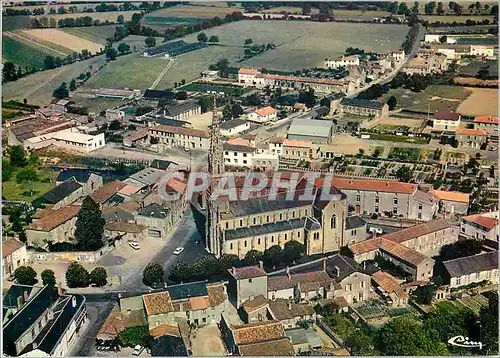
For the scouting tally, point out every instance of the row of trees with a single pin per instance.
(76, 276)
(202, 37)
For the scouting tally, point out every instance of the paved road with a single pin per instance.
(185, 236)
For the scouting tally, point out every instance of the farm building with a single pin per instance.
(169, 137)
(449, 121)
(343, 62)
(472, 269)
(233, 126)
(472, 138)
(175, 48)
(263, 115)
(314, 130)
(182, 111)
(157, 94)
(117, 93)
(488, 123)
(363, 107)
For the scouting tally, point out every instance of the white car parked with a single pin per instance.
(376, 230)
(178, 250)
(134, 245)
(137, 350)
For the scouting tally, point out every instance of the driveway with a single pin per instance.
(208, 342)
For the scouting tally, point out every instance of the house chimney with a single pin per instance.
(337, 269)
(289, 305)
(364, 265)
(261, 265)
(73, 301)
(288, 273)
(323, 264)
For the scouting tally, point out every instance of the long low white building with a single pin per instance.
(71, 138)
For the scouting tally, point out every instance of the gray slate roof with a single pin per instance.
(353, 222)
(232, 123)
(471, 264)
(155, 211)
(237, 148)
(181, 108)
(362, 103)
(264, 229)
(60, 192)
(346, 265)
(263, 204)
(311, 127)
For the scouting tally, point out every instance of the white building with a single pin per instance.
(170, 136)
(115, 114)
(263, 115)
(343, 62)
(233, 126)
(473, 269)
(247, 75)
(248, 157)
(447, 121)
(14, 254)
(486, 51)
(79, 141)
(482, 226)
(398, 55)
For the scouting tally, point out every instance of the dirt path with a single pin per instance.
(162, 73)
(24, 39)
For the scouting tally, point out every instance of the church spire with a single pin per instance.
(215, 157)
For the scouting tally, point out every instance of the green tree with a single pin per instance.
(293, 251)
(205, 267)
(248, 42)
(134, 336)
(273, 256)
(99, 277)
(228, 261)
(483, 73)
(48, 277)
(111, 53)
(307, 97)
(25, 275)
(150, 41)
(392, 102)
(424, 294)
(89, 226)
(405, 336)
(77, 276)
(123, 48)
(461, 248)
(253, 257)
(6, 170)
(61, 91)
(9, 71)
(27, 174)
(72, 85)
(17, 156)
(202, 37)
(213, 39)
(404, 174)
(180, 272)
(49, 62)
(488, 318)
(120, 19)
(153, 274)
(360, 343)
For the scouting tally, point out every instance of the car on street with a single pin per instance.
(376, 230)
(134, 245)
(137, 350)
(178, 250)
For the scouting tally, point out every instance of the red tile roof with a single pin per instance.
(470, 131)
(107, 191)
(486, 119)
(265, 111)
(452, 196)
(248, 71)
(373, 185)
(389, 284)
(10, 246)
(247, 272)
(485, 221)
(50, 221)
(258, 332)
(417, 230)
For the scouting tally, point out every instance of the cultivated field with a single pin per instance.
(63, 39)
(102, 16)
(38, 43)
(97, 34)
(458, 19)
(22, 53)
(37, 88)
(482, 101)
(198, 11)
(434, 98)
(471, 68)
(305, 44)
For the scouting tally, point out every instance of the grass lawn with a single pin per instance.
(12, 190)
(202, 87)
(440, 98)
(131, 71)
(395, 138)
(97, 34)
(96, 105)
(410, 154)
(471, 68)
(23, 54)
(458, 19)
(391, 128)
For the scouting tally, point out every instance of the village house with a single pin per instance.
(398, 55)
(246, 283)
(14, 254)
(297, 149)
(290, 314)
(389, 289)
(105, 193)
(54, 226)
(233, 127)
(114, 114)
(157, 219)
(350, 276)
(426, 63)
(192, 304)
(342, 62)
(266, 338)
(128, 232)
(276, 145)
(255, 309)
(62, 195)
(487, 123)
(452, 202)
(446, 121)
(355, 230)
(484, 226)
(472, 269)
(61, 105)
(89, 180)
(263, 115)
(363, 107)
(182, 111)
(137, 139)
(244, 156)
(41, 321)
(471, 138)
(387, 198)
(169, 137)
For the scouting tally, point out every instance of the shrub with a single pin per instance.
(25, 275)
(77, 276)
(99, 277)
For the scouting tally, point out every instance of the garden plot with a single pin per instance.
(482, 102)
